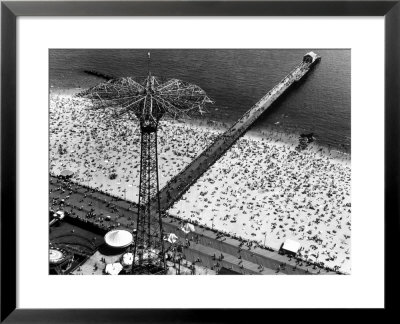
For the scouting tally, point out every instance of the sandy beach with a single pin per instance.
(265, 191)
(262, 189)
(94, 146)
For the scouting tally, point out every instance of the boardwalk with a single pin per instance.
(205, 243)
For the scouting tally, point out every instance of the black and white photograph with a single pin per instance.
(200, 161)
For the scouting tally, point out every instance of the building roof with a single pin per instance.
(118, 238)
(291, 246)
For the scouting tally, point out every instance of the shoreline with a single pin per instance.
(273, 137)
(219, 127)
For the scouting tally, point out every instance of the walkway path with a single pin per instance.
(204, 242)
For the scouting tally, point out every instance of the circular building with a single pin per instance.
(59, 260)
(57, 256)
(118, 238)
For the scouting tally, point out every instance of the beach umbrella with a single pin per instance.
(59, 215)
(113, 268)
(172, 238)
(127, 259)
(187, 228)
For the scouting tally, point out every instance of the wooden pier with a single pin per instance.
(178, 185)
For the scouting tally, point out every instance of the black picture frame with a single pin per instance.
(10, 10)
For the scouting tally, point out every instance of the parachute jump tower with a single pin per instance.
(147, 102)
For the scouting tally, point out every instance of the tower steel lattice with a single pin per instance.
(148, 102)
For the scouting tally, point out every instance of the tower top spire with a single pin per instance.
(148, 63)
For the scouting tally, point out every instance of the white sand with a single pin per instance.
(261, 189)
(95, 147)
(265, 190)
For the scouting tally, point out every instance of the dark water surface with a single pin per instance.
(235, 79)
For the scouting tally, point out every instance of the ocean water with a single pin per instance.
(235, 79)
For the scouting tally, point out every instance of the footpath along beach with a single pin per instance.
(261, 190)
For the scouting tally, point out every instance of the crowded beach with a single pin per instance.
(104, 153)
(265, 192)
(262, 190)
